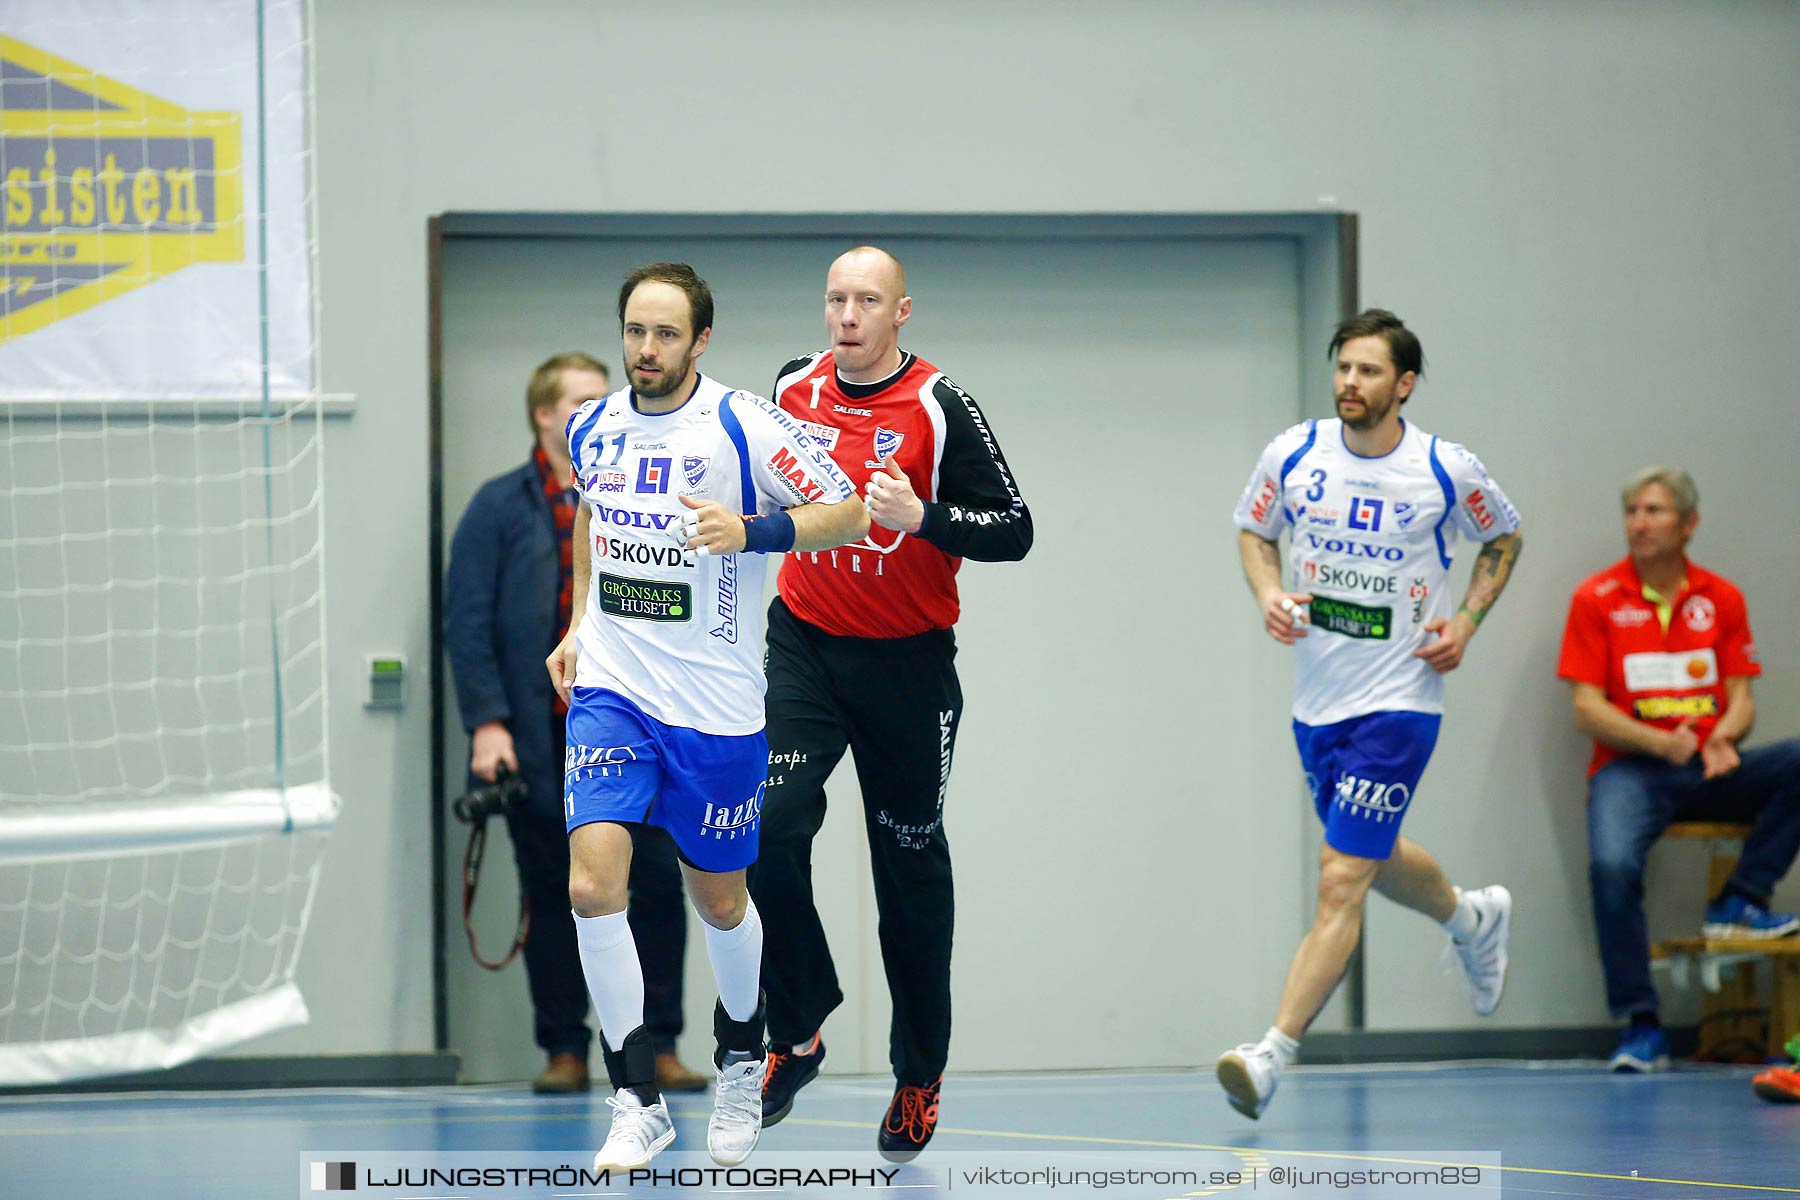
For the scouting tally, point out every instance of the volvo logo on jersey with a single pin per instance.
(631, 518)
(724, 824)
(1376, 801)
(1352, 548)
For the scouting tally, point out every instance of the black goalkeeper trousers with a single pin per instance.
(895, 704)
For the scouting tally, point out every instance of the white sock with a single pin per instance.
(615, 977)
(1463, 921)
(736, 956)
(1283, 1047)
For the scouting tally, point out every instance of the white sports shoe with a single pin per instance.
(1249, 1076)
(737, 1115)
(638, 1132)
(1484, 954)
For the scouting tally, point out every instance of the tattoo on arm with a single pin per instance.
(1493, 567)
(1261, 561)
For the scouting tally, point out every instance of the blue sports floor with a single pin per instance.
(1562, 1130)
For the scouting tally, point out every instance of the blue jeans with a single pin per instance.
(1632, 800)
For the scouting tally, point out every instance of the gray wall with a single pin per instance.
(1585, 208)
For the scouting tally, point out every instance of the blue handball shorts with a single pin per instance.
(706, 789)
(1363, 773)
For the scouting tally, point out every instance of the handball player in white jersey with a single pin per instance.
(687, 487)
(1373, 507)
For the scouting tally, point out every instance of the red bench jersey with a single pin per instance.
(1614, 640)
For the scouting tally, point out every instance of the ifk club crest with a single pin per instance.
(886, 442)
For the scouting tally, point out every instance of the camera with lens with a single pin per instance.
(502, 797)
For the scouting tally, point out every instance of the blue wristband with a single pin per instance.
(773, 534)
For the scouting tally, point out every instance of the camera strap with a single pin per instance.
(472, 856)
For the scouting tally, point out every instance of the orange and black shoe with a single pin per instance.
(1779, 1085)
(911, 1120)
(787, 1074)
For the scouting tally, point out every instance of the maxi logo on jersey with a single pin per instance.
(1351, 548)
(1478, 509)
(1265, 497)
(799, 482)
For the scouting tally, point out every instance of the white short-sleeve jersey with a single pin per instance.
(680, 634)
(1372, 540)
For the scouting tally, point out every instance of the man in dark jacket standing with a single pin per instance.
(506, 604)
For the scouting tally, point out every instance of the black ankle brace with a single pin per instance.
(633, 1065)
(738, 1037)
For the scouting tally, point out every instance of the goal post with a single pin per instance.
(165, 795)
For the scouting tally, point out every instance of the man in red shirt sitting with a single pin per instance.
(1660, 655)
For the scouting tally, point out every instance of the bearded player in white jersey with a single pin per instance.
(686, 488)
(1373, 506)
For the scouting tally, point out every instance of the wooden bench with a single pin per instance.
(1726, 967)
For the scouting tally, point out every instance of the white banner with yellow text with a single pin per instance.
(154, 194)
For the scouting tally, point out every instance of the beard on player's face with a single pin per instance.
(1367, 409)
(669, 376)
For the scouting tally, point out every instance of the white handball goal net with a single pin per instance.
(164, 785)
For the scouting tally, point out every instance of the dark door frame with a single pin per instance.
(1329, 289)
